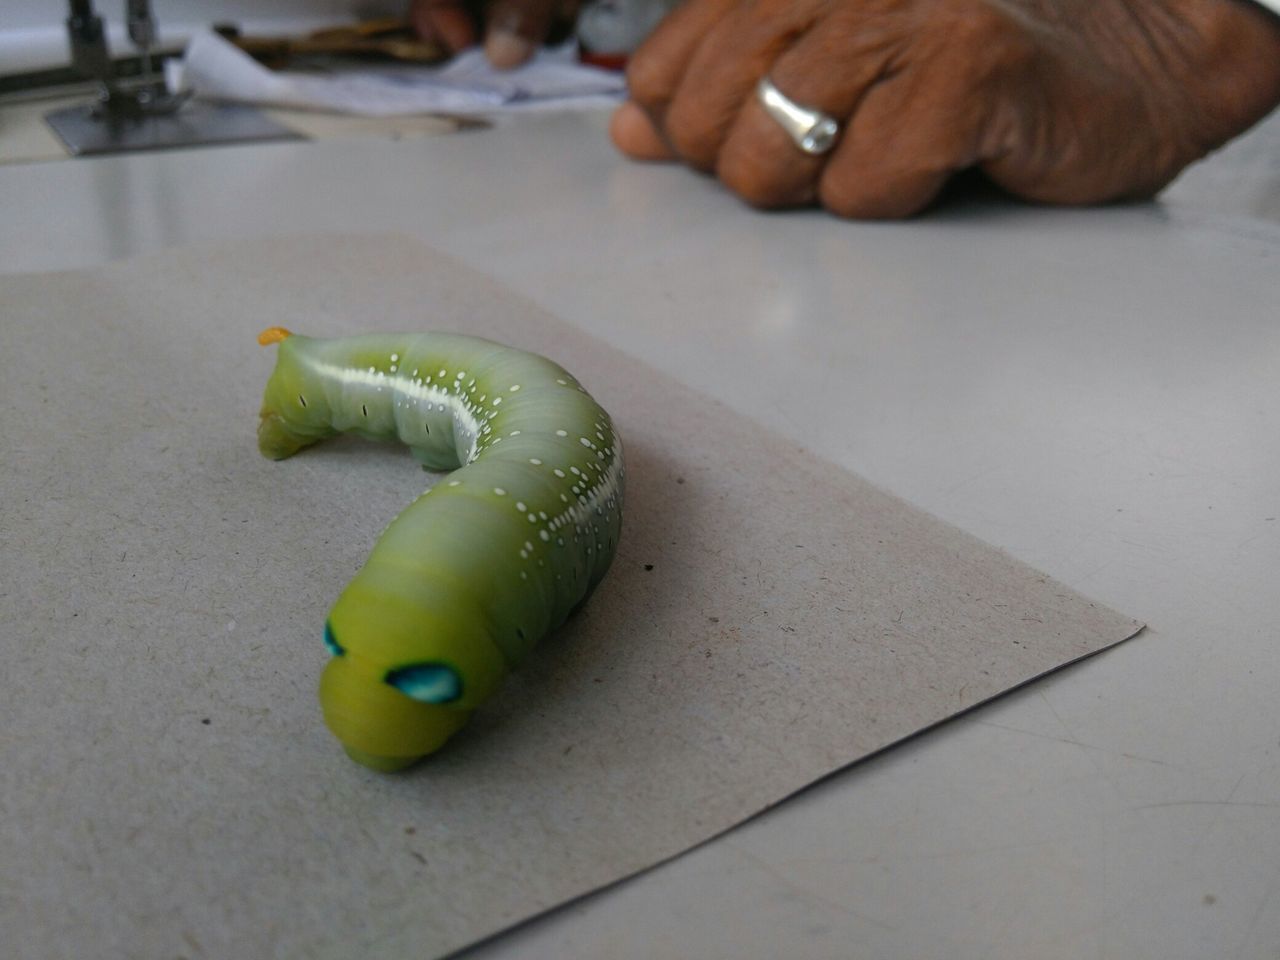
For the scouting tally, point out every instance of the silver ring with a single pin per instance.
(812, 131)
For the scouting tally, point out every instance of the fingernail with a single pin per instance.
(505, 48)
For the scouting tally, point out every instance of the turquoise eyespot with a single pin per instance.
(330, 643)
(427, 682)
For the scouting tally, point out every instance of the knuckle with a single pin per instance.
(966, 20)
(879, 195)
(758, 184)
(650, 79)
(990, 39)
(692, 134)
(858, 198)
(843, 202)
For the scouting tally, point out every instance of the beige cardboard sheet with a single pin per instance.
(167, 788)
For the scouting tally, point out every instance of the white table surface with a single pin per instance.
(1097, 392)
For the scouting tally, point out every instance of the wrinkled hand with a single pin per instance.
(512, 29)
(1062, 101)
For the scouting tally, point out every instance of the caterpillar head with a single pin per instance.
(293, 414)
(408, 666)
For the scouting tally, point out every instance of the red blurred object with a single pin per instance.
(605, 61)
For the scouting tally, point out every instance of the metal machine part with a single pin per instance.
(142, 114)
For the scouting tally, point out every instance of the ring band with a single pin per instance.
(812, 131)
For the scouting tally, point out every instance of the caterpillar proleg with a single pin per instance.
(481, 566)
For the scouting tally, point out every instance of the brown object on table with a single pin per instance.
(389, 38)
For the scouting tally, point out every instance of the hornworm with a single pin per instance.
(482, 565)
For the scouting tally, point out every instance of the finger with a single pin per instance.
(514, 29)
(894, 157)
(447, 21)
(655, 69)
(564, 21)
(829, 69)
(941, 112)
(634, 134)
(722, 75)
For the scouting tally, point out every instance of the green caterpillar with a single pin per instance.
(482, 565)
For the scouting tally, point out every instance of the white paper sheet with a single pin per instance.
(467, 84)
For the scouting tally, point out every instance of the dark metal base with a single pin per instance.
(89, 128)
